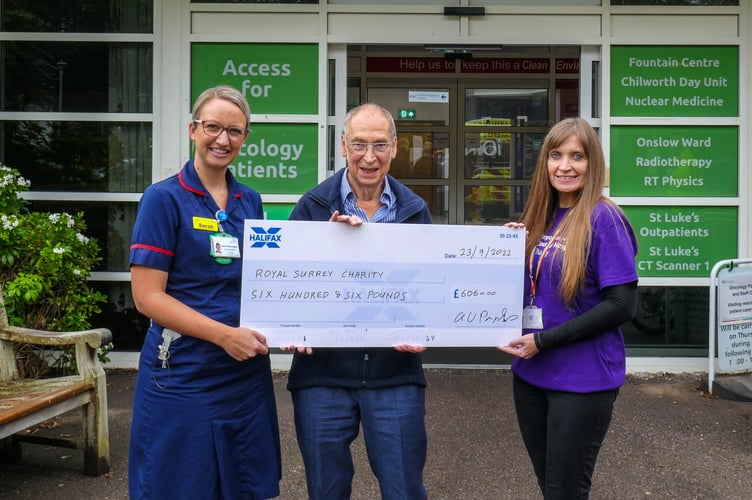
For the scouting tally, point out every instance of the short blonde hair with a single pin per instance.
(227, 93)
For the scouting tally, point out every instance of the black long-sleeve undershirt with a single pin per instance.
(618, 306)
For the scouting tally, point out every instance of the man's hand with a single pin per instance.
(307, 350)
(415, 349)
(353, 220)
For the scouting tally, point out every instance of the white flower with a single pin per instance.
(77, 272)
(9, 221)
(82, 239)
(54, 218)
(58, 250)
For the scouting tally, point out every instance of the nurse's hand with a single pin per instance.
(353, 220)
(243, 343)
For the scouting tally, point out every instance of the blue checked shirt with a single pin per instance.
(387, 212)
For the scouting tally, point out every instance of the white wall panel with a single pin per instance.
(673, 27)
(543, 27)
(255, 23)
(383, 25)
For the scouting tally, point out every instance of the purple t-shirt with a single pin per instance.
(597, 363)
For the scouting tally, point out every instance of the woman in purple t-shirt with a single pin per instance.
(581, 285)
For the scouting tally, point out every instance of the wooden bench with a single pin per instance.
(25, 403)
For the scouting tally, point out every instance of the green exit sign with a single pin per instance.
(406, 114)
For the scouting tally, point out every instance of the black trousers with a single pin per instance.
(563, 433)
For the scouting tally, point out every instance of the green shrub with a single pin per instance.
(45, 261)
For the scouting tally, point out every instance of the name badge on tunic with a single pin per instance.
(532, 317)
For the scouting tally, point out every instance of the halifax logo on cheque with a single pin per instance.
(265, 237)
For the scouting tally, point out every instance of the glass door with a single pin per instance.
(467, 148)
(500, 134)
(424, 116)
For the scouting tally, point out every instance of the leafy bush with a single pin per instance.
(45, 260)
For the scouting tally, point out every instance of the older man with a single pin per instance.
(337, 390)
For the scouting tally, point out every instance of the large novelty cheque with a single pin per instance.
(327, 284)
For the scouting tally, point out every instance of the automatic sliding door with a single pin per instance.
(502, 133)
(423, 117)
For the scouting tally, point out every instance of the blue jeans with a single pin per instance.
(327, 420)
(563, 433)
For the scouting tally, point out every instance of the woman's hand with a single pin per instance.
(353, 220)
(523, 347)
(244, 343)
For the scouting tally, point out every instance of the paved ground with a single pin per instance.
(668, 440)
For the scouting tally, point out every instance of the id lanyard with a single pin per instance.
(532, 316)
(534, 273)
(223, 247)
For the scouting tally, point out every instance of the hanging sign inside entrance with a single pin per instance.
(406, 114)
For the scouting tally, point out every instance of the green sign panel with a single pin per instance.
(278, 211)
(406, 114)
(674, 81)
(279, 158)
(674, 161)
(683, 241)
(275, 78)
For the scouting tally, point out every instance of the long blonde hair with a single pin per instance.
(543, 201)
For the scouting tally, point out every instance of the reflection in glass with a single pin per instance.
(119, 314)
(661, 3)
(76, 77)
(567, 99)
(258, 1)
(77, 16)
(673, 316)
(421, 107)
(421, 155)
(111, 224)
(507, 107)
(501, 155)
(79, 156)
(353, 92)
(437, 199)
(494, 204)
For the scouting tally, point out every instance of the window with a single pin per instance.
(77, 16)
(76, 120)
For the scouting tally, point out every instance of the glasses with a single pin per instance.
(214, 129)
(362, 147)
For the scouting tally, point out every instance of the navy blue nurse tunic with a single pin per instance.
(204, 425)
